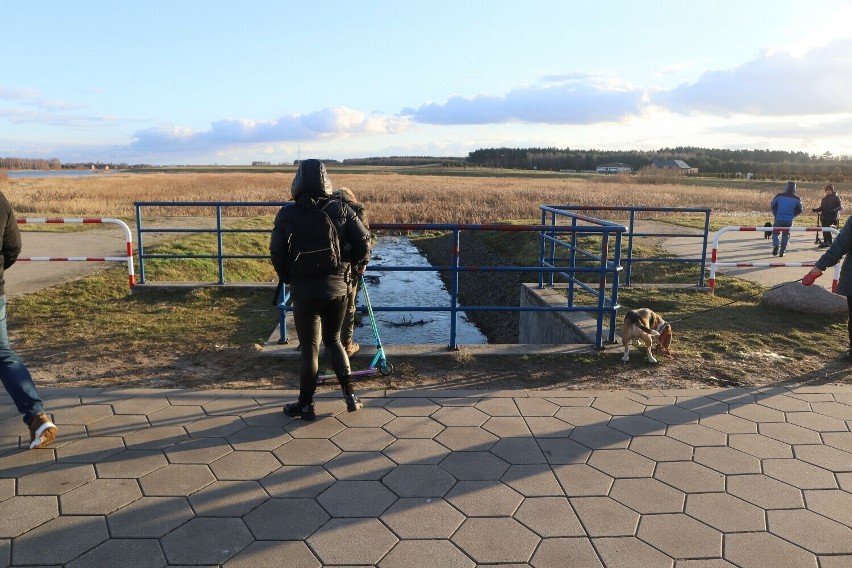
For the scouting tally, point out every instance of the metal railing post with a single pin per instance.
(704, 249)
(454, 289)
(139, 240)
(219, 244)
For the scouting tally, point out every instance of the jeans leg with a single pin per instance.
(15, 376)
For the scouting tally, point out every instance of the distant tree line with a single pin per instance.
(30, 164)
(709, 161)
(406, 161)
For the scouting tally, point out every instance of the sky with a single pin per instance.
(227, 82)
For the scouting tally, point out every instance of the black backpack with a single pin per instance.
(314, 245)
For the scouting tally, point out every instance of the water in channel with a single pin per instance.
(405, 289)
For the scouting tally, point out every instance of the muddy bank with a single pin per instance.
(481, 288)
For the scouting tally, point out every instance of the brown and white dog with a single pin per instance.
(650, 328)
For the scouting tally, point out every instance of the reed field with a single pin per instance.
(394, 197)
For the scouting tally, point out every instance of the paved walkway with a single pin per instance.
(691, 478)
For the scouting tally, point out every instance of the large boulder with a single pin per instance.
(795, 297)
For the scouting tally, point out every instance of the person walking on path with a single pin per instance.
(829, 208)
(785, 206)
(346, 195)
(838, 249)
(305, 249)
(15, 376)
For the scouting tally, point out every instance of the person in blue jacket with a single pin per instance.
(786, 206)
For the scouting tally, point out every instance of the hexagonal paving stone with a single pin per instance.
(563, 451)
(618, 406)
(454, 416)
(756, 413)
(270, 553)
(725, 512)
(518, 451)
(789, 433)
(360, 465)
(672, 415)
(839, 440)
(498, 406)
(124, 552)
(56, 479)
(638, 425)
(324, 428)
(416, 518)
(297, 481)
(622, 463)
(176, 480)
(484, 498)
(244, 466)
(286, 519)
(603, 516)
(259, 438)
(414, 427)
(825, 457)
(549, 517)
(21, 514)
(583, 416)
(413, 552)
(765, 492)
(661, 448)
(690, 477)
(680, 536)
(703, 405)
(466, 439)
(90, 450)
(496, 540)
(832, 503)
(727, 460)
(412, 407)
(535, 407)
(532, 480)
(760, 446)
(419, 481)
(198, 451)
(816, 422)
(416, 451)
(356, 499)
(729, 424)
(833, 409)
(175, 415)
(629, 551)
(100, 497)
(131, 463)
(763, 550)
(783, 403)
(206, 541)
(269, 416)
(229, 405)
(41, 547)
(155, 437)
(811, 531)
(227, 498)
(366, 418)
(363, 439)
(579, 480)
(697, 435)
(799, 474)
(149, 517)
(474, 466)
(648, 496)
(85, 414)
(565, 552)
(140, 405)
(368, 541)
(600, 437)
(515, 426)
(215, 427)
(307, 452)
(544, 427)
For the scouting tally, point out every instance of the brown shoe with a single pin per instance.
(352, 349)
(42, 431)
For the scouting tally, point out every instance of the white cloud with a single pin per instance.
(777, 83)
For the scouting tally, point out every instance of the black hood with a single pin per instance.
(311, 180)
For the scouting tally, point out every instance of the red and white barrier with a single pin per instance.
(128, 238)
(714, 263)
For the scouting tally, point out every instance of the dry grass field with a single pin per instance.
(391, 197)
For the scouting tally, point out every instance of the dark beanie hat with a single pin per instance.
(791, 187)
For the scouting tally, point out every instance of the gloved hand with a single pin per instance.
(811, 276)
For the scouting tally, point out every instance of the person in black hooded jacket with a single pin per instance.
(319, 302)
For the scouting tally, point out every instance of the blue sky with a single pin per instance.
(201, 82)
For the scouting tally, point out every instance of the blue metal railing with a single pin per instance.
(560, 210)
(605, 267)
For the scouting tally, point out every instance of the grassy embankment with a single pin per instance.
(117, 322)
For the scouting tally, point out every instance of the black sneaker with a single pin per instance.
(781, 254)
(299, 410)
(353, 403)
(774, 251)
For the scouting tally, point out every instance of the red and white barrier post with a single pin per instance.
(714, 263)
(128, 238)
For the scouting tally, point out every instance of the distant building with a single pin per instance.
(261, 163)
(668, 164)
(614, 168)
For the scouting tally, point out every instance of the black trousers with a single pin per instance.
(828, 221)
(318, 319)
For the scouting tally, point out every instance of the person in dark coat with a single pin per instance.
(829, 208)
(838, 249)
(348, 329)
(785, 207)
(319, 302)
(15, 376)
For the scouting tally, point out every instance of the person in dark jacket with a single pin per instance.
(347, 330)
(785, 207)
(15, 376)
(838, 249)
(829, 208)
(319, 302)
